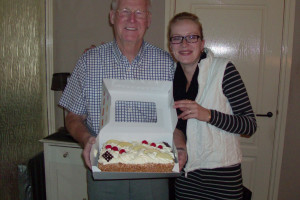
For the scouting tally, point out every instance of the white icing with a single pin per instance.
(137, 153)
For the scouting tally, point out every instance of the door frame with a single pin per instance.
(283, 98)
(283, 90)
(49, 66)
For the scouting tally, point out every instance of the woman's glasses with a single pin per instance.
(188, 39)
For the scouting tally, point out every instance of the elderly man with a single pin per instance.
(127, 57)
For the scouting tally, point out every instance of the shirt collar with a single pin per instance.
(119, 56)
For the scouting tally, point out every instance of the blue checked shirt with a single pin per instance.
(82, 94)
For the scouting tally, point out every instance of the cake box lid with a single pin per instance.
(127, 96)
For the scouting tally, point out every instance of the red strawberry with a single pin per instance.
(144, 142)
(153, 144)
(122, 151)
(160, 147)
(115, 148)
(108, 146)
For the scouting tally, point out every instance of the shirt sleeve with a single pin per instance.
(243, 119)
(73, 98)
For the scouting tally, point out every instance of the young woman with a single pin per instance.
(213, 110)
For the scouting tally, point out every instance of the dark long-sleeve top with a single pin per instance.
(243, 119)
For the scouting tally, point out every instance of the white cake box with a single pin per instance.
(158, 94)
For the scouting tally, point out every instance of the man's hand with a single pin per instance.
(87, 150)
(77, 129)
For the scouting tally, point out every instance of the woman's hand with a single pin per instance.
(180, 143)
(191, 109)
(182, 158)
(91, 47)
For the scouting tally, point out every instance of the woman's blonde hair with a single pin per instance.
(184, 16)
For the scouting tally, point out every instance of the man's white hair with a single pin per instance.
(115, 3)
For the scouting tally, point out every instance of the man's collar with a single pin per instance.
(119, 56)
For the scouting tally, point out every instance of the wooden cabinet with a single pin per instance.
(65, 172)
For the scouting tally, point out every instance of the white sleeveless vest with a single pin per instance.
(208, 146)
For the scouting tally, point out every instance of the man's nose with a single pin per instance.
(132, 17)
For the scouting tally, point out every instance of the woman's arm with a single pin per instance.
(243, 119)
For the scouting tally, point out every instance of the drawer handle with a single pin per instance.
(65, 154)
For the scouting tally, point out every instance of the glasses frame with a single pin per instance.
(126, 13)
(187, 38)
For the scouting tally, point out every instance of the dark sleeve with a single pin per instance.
(181, 125)
(243, 119)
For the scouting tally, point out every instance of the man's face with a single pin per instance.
(129, 25)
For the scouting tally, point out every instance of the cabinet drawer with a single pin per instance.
(68, 155)
(64, 171)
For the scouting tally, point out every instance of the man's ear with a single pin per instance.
(112, 16)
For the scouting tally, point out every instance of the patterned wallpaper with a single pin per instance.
(23, 105)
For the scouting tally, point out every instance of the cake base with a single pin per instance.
(119, 167)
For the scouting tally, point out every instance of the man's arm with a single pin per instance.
(76, 127)
(180, 143)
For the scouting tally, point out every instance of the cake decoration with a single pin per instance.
(107, 156)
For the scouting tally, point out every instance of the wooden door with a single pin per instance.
(250, 33)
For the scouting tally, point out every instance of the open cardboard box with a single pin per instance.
(157, 93)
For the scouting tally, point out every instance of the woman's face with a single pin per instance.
(188, 54)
